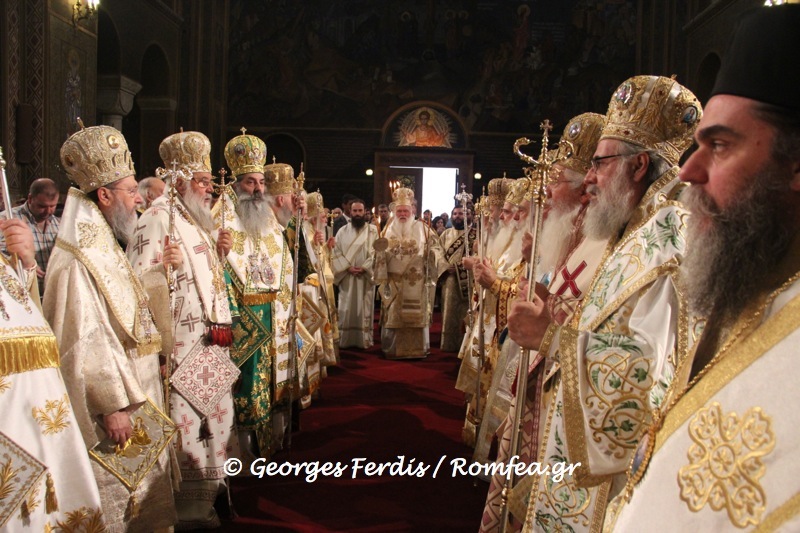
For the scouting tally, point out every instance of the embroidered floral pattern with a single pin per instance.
(54, 417)
(725, 464)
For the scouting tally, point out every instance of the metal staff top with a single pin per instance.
(7, 204)
(464, 198)
(539, 175)
(220, 188)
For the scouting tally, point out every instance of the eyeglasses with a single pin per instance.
(132, 192)
(204, 182)
(595, 161)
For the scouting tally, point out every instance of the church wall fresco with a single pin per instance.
(499, 65)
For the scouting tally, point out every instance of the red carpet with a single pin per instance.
(378, 410)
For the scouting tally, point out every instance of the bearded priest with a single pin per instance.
(405, 265)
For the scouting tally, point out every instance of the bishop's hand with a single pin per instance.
(224, 242)
(118, 426)
(19, 240)
(528, 321)
(172, 254)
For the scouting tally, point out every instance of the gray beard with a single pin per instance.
(555, 237)
(253, 212)
(610, 210)
(730, 251)
(122, 223)
(199, 211)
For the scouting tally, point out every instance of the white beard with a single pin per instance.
(201, 213)
(499, 242)
(401, 229)
(556, 233)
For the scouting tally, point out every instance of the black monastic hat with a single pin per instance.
(763, 60)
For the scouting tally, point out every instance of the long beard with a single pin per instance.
(401, 228)
(357, 222)
(253, 211)
(201, 213)
(556, 234)
(729, 251)
(498, 243)
(458, 224)
(611, 209)
(122, 222)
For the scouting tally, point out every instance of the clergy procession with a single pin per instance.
(622, 313)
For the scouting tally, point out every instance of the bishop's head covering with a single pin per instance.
(583, 132)
(246, 154)
(762, 60)
(96, 156)
(653, 112)
(190, 149)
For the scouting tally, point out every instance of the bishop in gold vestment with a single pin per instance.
(99, 313)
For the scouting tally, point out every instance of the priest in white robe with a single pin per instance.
(352, 263)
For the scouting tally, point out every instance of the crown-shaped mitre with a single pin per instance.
(95, 157)
(279, 179)
(403, 196)
(498, 190)
(191, 149)
(583, 132)
(314, 204)
(520, 191)
(245, 154)
(653, 112)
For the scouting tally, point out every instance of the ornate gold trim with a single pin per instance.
(28, 353)
(785, 512)
(740, 357)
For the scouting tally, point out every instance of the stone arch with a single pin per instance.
(153, 116)
(286, 148)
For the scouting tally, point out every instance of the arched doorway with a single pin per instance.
(424, 146)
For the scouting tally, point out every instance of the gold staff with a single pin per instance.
(294, 353)
(539, 175)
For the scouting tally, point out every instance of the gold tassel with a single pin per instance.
(133, 507)
(50, 500)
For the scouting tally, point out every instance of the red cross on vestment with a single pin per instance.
(569, 280)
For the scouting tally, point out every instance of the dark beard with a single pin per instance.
(458, 224)
(358, 222)
(730, 252)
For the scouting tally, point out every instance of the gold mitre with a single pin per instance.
(245, 154)
(520, 191)
(279, 179)
(191, 149)
(498, 190)
(95, 157)
(654, 112)
(403, 196)
(583, 132)
(314, 204)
